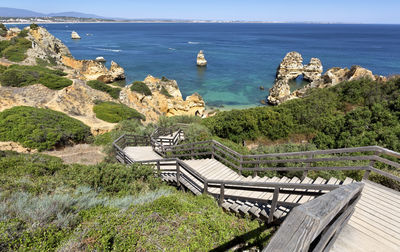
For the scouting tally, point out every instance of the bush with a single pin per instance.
(23, 33)
(42, 129)
(98, 85)
(34, 26)
(19, 76)
(3, 45)
(3, 30)
(113, 112)
(141, 88)
(17, 49)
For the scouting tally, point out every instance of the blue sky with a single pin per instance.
(348, 11)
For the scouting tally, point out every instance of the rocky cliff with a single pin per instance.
(292, 67)
(94, 70)
(159, 104)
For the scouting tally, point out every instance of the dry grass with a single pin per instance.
(79, 154)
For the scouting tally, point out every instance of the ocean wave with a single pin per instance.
(172, 49)
(108, 49)
(193, 43)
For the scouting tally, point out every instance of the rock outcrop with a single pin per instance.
(289, 69)
(13, 146)
(292, 66)
(95, 70)
(159, 104)
(46, 47)
(201, 60)
(76, 101)
(75, 35)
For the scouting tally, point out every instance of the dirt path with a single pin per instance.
(79, 154)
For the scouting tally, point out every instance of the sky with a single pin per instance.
(340, 11)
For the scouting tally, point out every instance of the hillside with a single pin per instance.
(13, 12)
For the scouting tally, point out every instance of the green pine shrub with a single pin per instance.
(165, 92)
(41, 129)
(17, 49)
(114, 112)
(19, 76)
(141, 88)
(98, 85)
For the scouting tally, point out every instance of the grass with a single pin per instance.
(141, 88)
(114, 112)
(41, 129)
(98, 85)
(20, 76)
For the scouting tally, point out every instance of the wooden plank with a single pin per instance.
(348, 181)
(307, 221)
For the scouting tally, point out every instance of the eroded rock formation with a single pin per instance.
(201, 59)
(95, 70)
(292, 66)
(159, 104)
(75, 35)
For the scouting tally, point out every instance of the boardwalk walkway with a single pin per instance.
(209, 167)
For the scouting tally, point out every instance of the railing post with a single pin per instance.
(240, 165)
(212, 150)
(308, 165)
(273, 205)
(178, 173)
(371, 163)
(158, 168)
(221, 194)
(205, 191)
(257, 166)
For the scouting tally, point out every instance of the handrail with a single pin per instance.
(315, 225)
(259, 163)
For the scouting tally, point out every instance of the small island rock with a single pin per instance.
(75, 35)
(201, 60)
(100, 59)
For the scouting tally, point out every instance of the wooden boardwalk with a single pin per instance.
(374, 226)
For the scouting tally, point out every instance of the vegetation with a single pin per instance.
(34, 26)
(113, 92)
(114, 112)
(41, 129)
(15, 49)
(141, 88)
(23, 33)
(165, 92)
(357, 113)
(3, 30)
(47, 205)
(19, 76)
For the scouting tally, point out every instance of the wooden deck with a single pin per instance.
(375, 224)
(142, 153)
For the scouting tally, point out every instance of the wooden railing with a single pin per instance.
(182, 170)
(315, 225)
(358, 158)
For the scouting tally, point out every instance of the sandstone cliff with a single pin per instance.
(159, 104)
(292, 66)
(94, 70)
(76, 101)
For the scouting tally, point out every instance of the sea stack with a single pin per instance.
(201, 60)
(75, 35)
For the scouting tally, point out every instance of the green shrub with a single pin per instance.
(165, 92)
(141, 88)
(3, 30)
(113, 112)
(3, 45)
(19, 76)
(17, 49)
(113, 92)
(42, 129)
(23, 33)
(34, 26)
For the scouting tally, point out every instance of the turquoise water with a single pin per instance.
(241, 57)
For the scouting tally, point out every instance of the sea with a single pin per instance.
(241, 57)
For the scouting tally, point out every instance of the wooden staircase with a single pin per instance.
(210, 167)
